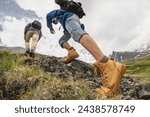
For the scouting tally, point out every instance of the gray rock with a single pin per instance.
(144, 95)
(147, 87)
(129, 87)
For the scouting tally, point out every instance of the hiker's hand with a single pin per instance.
(55, 21)
(52, 31)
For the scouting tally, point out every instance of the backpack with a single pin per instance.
(36, 24)
(71, 6)
(61, 3)
(27, 27)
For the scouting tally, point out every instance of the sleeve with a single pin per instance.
(51, 15)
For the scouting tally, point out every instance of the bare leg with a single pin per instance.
(27, 38)
(89, 43)
(111, 72)
(66, 46)
(35, 38)
(27, 45)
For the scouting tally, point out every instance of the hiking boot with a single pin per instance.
(32, 54)
(72, 54)
(111, 73)
(27, 52)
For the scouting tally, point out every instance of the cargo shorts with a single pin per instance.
(74, 29)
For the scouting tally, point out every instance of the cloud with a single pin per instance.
(10, 35)
(40, 6)
(114, 24)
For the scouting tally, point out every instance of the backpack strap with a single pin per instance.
(27, 27)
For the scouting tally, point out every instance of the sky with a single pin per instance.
(116, 25)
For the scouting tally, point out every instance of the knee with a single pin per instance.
(78, 36)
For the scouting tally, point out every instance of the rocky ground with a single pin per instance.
(76, 70)
(129, 87)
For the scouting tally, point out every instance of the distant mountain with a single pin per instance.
(11, 8)
(142, 47)
(13, 49)
(125, 56)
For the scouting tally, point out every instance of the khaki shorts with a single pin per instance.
(31, 34)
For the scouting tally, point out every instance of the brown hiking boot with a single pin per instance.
(72, 54)
(32, 53)
(27, 52)
(111, 73)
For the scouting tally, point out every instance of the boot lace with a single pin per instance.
(103, 74)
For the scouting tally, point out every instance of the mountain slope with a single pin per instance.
(47, 77)
(139, 68)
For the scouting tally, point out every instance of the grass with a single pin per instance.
(31, 82)
(55, 88)
(7, 61)
(139, 68)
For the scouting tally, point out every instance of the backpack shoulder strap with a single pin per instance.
(27, 27)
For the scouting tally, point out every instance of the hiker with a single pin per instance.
(111, 71)
(32, 30)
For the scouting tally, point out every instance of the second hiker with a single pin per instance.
(69, 17)
(32, 30)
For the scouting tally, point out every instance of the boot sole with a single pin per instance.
(122, 72)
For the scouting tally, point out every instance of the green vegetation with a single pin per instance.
(139, 68)
(19, 80)
(31, 82)
(7, 61)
